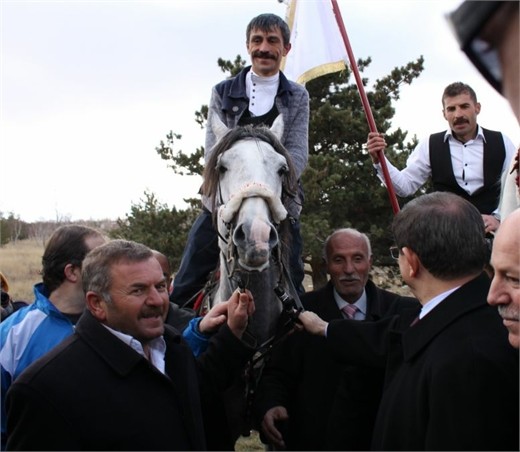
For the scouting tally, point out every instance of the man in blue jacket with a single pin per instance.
(30, 332)
(257, 95)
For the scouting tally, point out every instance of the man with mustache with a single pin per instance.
(256, 95)
(305, 392)
(497, 25)
(124, 380)
(451, 376)
(505, 287)
(488, 33)
(467, 159)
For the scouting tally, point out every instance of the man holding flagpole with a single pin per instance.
(466, 159)
(257, 95)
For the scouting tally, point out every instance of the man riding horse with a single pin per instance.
(257, 95)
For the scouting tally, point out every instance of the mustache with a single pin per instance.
(461, 121)
(151, 312)
(509, 312)
(349, 279)
(259, 54)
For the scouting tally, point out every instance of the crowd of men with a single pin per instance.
(99, 360)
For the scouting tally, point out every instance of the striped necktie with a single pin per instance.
(350, 310)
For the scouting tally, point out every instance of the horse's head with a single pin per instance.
(245, 177)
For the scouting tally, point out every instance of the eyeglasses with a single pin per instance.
(468, 22)
(395, 252)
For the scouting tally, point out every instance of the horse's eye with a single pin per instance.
(284, 169)
(221, 169)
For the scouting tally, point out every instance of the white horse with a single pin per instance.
(247, 177)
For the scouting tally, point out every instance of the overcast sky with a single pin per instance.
(90, 88)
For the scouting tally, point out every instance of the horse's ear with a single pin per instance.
(277, 127)
(218, 127)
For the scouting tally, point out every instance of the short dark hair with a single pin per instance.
(457, 88)
(96, 272)
(267, 22)
(446, 232)
(67, 245)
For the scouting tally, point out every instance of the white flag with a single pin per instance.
(317, 46)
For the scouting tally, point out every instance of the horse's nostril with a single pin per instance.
(239, 235)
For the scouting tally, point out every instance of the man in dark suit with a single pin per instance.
(297, 392)
(124, 380)
(451, 377)
(505, 287)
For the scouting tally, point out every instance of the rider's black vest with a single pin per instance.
(266, 120)
(486, 198)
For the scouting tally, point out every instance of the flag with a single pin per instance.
(317, 46)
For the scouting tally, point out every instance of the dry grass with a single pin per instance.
(250, 443)
(21, 264)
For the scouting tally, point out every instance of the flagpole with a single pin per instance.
(366, 105)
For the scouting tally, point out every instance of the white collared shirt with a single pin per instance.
(261, 92)
(435, 301)
(156, 346)
(466, 159)
(360, 304)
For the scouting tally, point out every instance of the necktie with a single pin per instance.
(350, 310)
(414, 321)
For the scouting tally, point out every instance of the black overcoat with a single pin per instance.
(94, 392)
(451, 380)
(304, 376)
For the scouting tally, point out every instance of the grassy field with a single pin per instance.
(21, 264)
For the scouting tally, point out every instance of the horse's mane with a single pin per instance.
(257, 133)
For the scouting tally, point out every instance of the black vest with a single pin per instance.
(266, 119)
(486, 198)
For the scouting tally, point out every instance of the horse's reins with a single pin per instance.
(291, 306)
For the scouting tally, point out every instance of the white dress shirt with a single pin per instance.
(466, 159)
(156, 346)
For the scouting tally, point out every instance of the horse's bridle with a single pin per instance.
(228, 212)
(291, 306)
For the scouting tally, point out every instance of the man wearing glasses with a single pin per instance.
(451, 376)
(489, 34)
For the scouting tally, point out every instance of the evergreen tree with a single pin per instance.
(340, 185)
(157, 226)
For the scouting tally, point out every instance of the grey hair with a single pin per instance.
(350, 231)
(96, 271)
